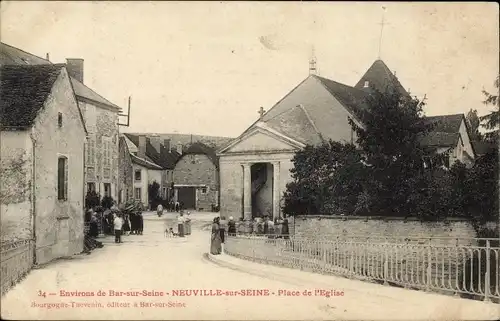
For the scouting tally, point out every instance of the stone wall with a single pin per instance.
(16, 185)
(125, 173)
(335, 226)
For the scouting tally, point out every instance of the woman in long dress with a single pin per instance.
(126, 224)
(215, 242)
(187, 224)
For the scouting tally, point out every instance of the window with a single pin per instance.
(367, 84)
(59, 120)
(138, 193)
(91, 187)
(138, 175)
(106, 152)
(90, 151)
(107, 189)
(62, 178)
(204, 190)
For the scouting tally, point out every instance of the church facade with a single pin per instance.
(255, 167)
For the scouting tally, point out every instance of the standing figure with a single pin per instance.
(126, 224)
(215, 241)
(180, 224)
(187, 224)
(118, 223)
(140, 223)
(222, 229)
(159, 210)
(285, 229)
(94, 228)
(177, 206)
(231, 227)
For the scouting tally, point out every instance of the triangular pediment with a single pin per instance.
(262, 140)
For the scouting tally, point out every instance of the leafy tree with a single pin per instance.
(326, 179)
(473, 123)
(92, 199)
(154, 194)
(491, 121)
(107, 202)
(390, 139)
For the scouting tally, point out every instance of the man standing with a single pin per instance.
(118, 223)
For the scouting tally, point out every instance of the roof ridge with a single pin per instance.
(301, 106)
(28, 53)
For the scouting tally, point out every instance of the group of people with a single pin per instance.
(183, 224)
(219, 229)
(273, 228)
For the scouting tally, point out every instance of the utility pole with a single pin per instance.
(128, 114)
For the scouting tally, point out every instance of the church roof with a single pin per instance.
(380, 77)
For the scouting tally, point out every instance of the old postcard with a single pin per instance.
(249, 160)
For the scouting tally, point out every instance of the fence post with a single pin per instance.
(487, 273)
(428, 269)
(386, 263)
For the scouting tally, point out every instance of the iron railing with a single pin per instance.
(468, 269)
(16, 261)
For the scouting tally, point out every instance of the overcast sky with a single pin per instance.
(207, 67)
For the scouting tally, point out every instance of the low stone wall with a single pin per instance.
(452, 230)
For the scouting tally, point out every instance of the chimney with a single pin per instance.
(47, 57)
(179, 148)
(156, 142)
(166, 143)
(75, 68)
(141, 153)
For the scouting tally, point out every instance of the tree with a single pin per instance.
(154, 194)
(473, 123)
(326, 179)
(491, 121)
(390, 139)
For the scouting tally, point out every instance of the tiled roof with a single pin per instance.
(481, 148)
(440, 139)
(445, 123)
(23, 91)
(145, 163)
(10, 55)
(186, 139)
(381, 78)
(163, 158)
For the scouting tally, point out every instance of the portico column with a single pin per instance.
(276, 189)
(247, 192)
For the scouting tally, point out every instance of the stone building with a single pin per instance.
(255, 167)
(196, 177)
(42, 159)
(101, 119)
(125, 172)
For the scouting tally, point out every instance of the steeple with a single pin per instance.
(312, 63)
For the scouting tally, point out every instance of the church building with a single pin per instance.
(255, 167)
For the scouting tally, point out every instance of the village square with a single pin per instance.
(332, 192)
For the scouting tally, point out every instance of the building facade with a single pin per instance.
(42, 160)
(196, 177)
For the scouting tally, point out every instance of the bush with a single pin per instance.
(107, 202)
(92, 199)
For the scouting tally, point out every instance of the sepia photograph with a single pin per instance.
(249, 160)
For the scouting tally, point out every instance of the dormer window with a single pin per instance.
(59, 120)
(367, 84)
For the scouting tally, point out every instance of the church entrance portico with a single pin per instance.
(261, 192)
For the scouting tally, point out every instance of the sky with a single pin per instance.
(207, 67)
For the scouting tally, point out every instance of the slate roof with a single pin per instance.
(145, 163)
(481, 148)
(381, 78)
(165, 159)
(440, 139)
(186, 139)
(10, 55)
(23, 91)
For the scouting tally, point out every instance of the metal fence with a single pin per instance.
(455, 267)
(16, 261)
